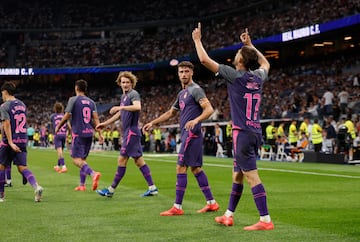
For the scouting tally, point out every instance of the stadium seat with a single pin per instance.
(280, 154)
(266, 152)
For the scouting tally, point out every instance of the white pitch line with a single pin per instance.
(265, 169)
(311, 173)
(292, 171)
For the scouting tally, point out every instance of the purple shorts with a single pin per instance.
(59, 141)
(131, 145)
(190, 153)
(80, 147)
(246, 146)
(7, 155)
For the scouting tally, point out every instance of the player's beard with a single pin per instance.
(185, 81)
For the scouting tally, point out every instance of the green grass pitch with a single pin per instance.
(307, 202)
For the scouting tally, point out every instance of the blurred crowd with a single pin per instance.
(288, 94)
(98, 35)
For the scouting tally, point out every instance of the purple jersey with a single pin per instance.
(55, 119)
(131, 143)
(188, 103)
(81, 109)
(15, 112)
(130, 120)
(244, 88)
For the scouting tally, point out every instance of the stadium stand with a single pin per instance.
(86, 33)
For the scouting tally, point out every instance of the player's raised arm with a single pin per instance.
(201, 52)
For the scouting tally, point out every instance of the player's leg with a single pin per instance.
(8, 182)
(235, 196)
(242, 142)
(202, 180)
(181, 184)
(120, 173)
(2, 183)
(79, 152)
(145, 171)
(20, 161)
(259, 195)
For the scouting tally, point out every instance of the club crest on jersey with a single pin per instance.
(185, 95)
(252, 85)
(182, 105)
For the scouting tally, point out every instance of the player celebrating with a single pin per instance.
(244, 88)
(194, 107)
(128, 110)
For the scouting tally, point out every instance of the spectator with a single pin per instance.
(316, 136)
(343, 100)
(328, 99)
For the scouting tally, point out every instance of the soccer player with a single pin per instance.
(14, 140)
(84, 117)
(244, 87)
(129, 112)
(60, 136)
(194, 107)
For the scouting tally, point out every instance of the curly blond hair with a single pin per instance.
(128, 75)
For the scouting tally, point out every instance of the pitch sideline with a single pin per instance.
(150, 156)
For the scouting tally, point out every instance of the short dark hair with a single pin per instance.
(82, 85)
(9, 86)
(186, 64)
(250, 58)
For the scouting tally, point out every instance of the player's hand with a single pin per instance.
(196, 34)
(190, 124)
(245, 38)
(15, 147)
(147, 127)
(99, 126)
(56, 129)
(115, 109)
(101, 139)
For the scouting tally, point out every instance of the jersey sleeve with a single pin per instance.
(70, 104)
(4, 115)
(176, 104)
(134, 96)
(228, 73)
(95, 106)
(198, 93)
(262, 73)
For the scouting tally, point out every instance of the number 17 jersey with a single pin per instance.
(244, 89)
